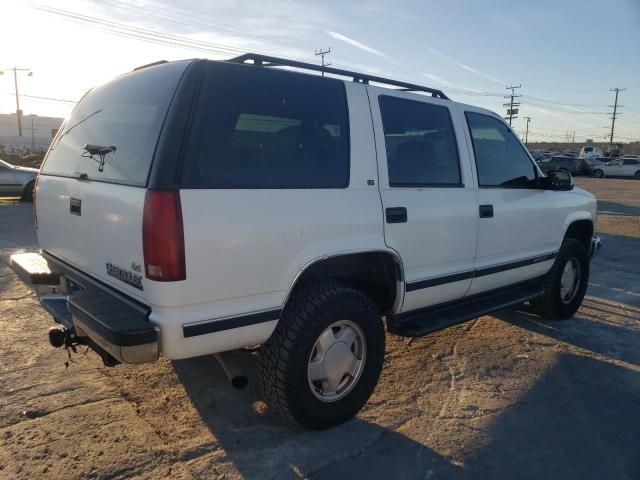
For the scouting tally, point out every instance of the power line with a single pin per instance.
(512, 111)
(615, 110)
(43, 98)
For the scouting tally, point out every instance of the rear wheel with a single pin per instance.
(324, 359)
(597, 173)
(566, 282)
(27, 194)
(637, 175)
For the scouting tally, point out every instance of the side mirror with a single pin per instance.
(558, 180)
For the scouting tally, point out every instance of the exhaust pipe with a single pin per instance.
(232, 369)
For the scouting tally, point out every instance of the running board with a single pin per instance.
(438, 317)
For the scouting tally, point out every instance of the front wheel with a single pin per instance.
(637, 175)
(324, 358)
(566, 282)
(597, 173)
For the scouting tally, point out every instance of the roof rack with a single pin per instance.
(267, 61)
(142, 67)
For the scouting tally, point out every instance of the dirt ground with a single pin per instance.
(503, 396)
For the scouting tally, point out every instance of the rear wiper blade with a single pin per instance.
(100, 150)
(75, 125)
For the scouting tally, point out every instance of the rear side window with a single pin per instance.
(262, 128)
(500, 159)
(420, 144)
(126, 113)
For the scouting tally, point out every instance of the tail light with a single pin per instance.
(163, 236)
(33, 198)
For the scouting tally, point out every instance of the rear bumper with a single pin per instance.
(596, 244)
(92, 313)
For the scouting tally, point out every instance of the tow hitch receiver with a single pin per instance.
(88, 312)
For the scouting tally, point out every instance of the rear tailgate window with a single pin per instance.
(126, 113)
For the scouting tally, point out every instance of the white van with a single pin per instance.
(590, 151)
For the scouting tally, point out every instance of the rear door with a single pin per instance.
(431, 215)
(90, 207)
(630, 167)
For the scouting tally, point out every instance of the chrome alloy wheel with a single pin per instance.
(336, 361)
(570, 280)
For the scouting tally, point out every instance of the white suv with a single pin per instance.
(196, 207)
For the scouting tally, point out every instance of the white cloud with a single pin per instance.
(437, 79)
(355, 43)
(466, 67)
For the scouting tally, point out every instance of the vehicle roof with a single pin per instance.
(316, 73)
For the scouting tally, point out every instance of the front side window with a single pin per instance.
(420, 144)
(262, 128)
(500, 159)
(631, 162)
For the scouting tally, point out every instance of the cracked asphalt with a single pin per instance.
(502, 396)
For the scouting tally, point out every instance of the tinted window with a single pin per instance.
(127, 113)
(588, 149)
(500, 159)
(263, 128)
(631, 162)
(420, 143)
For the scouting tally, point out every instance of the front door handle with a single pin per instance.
(396, 215)
(486, 211)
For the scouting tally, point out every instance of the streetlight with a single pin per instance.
(15, 81)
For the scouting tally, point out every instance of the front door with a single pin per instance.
(8, 183)
(520, 223)
(429, 203)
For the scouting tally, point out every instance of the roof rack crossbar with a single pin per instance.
(268, 61)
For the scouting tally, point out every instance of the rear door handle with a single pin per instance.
(486, 211)
(396, 215)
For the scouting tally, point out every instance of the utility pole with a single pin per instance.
(322, 53)
(615, 112)
(526, 134)
(15, 81)
(512, 109)
(33, 138)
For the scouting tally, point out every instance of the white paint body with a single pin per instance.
(245, 248)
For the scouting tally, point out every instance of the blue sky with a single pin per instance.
(566, 54)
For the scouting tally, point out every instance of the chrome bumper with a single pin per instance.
(596, 244)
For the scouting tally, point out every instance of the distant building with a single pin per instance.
(37, 132)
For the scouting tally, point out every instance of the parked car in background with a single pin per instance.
(595, 161)
(572, 165)
(17, 181)
(591, 151)
(622, 167)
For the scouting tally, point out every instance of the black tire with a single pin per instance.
(597, 173)
(27, 194)
(637, 175)
(284, 357)
(551, 305)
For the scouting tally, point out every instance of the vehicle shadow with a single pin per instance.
(260, 446)
(615, 338)
(615, 208)
(580, 420)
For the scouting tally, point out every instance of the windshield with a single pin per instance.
(126, 113)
